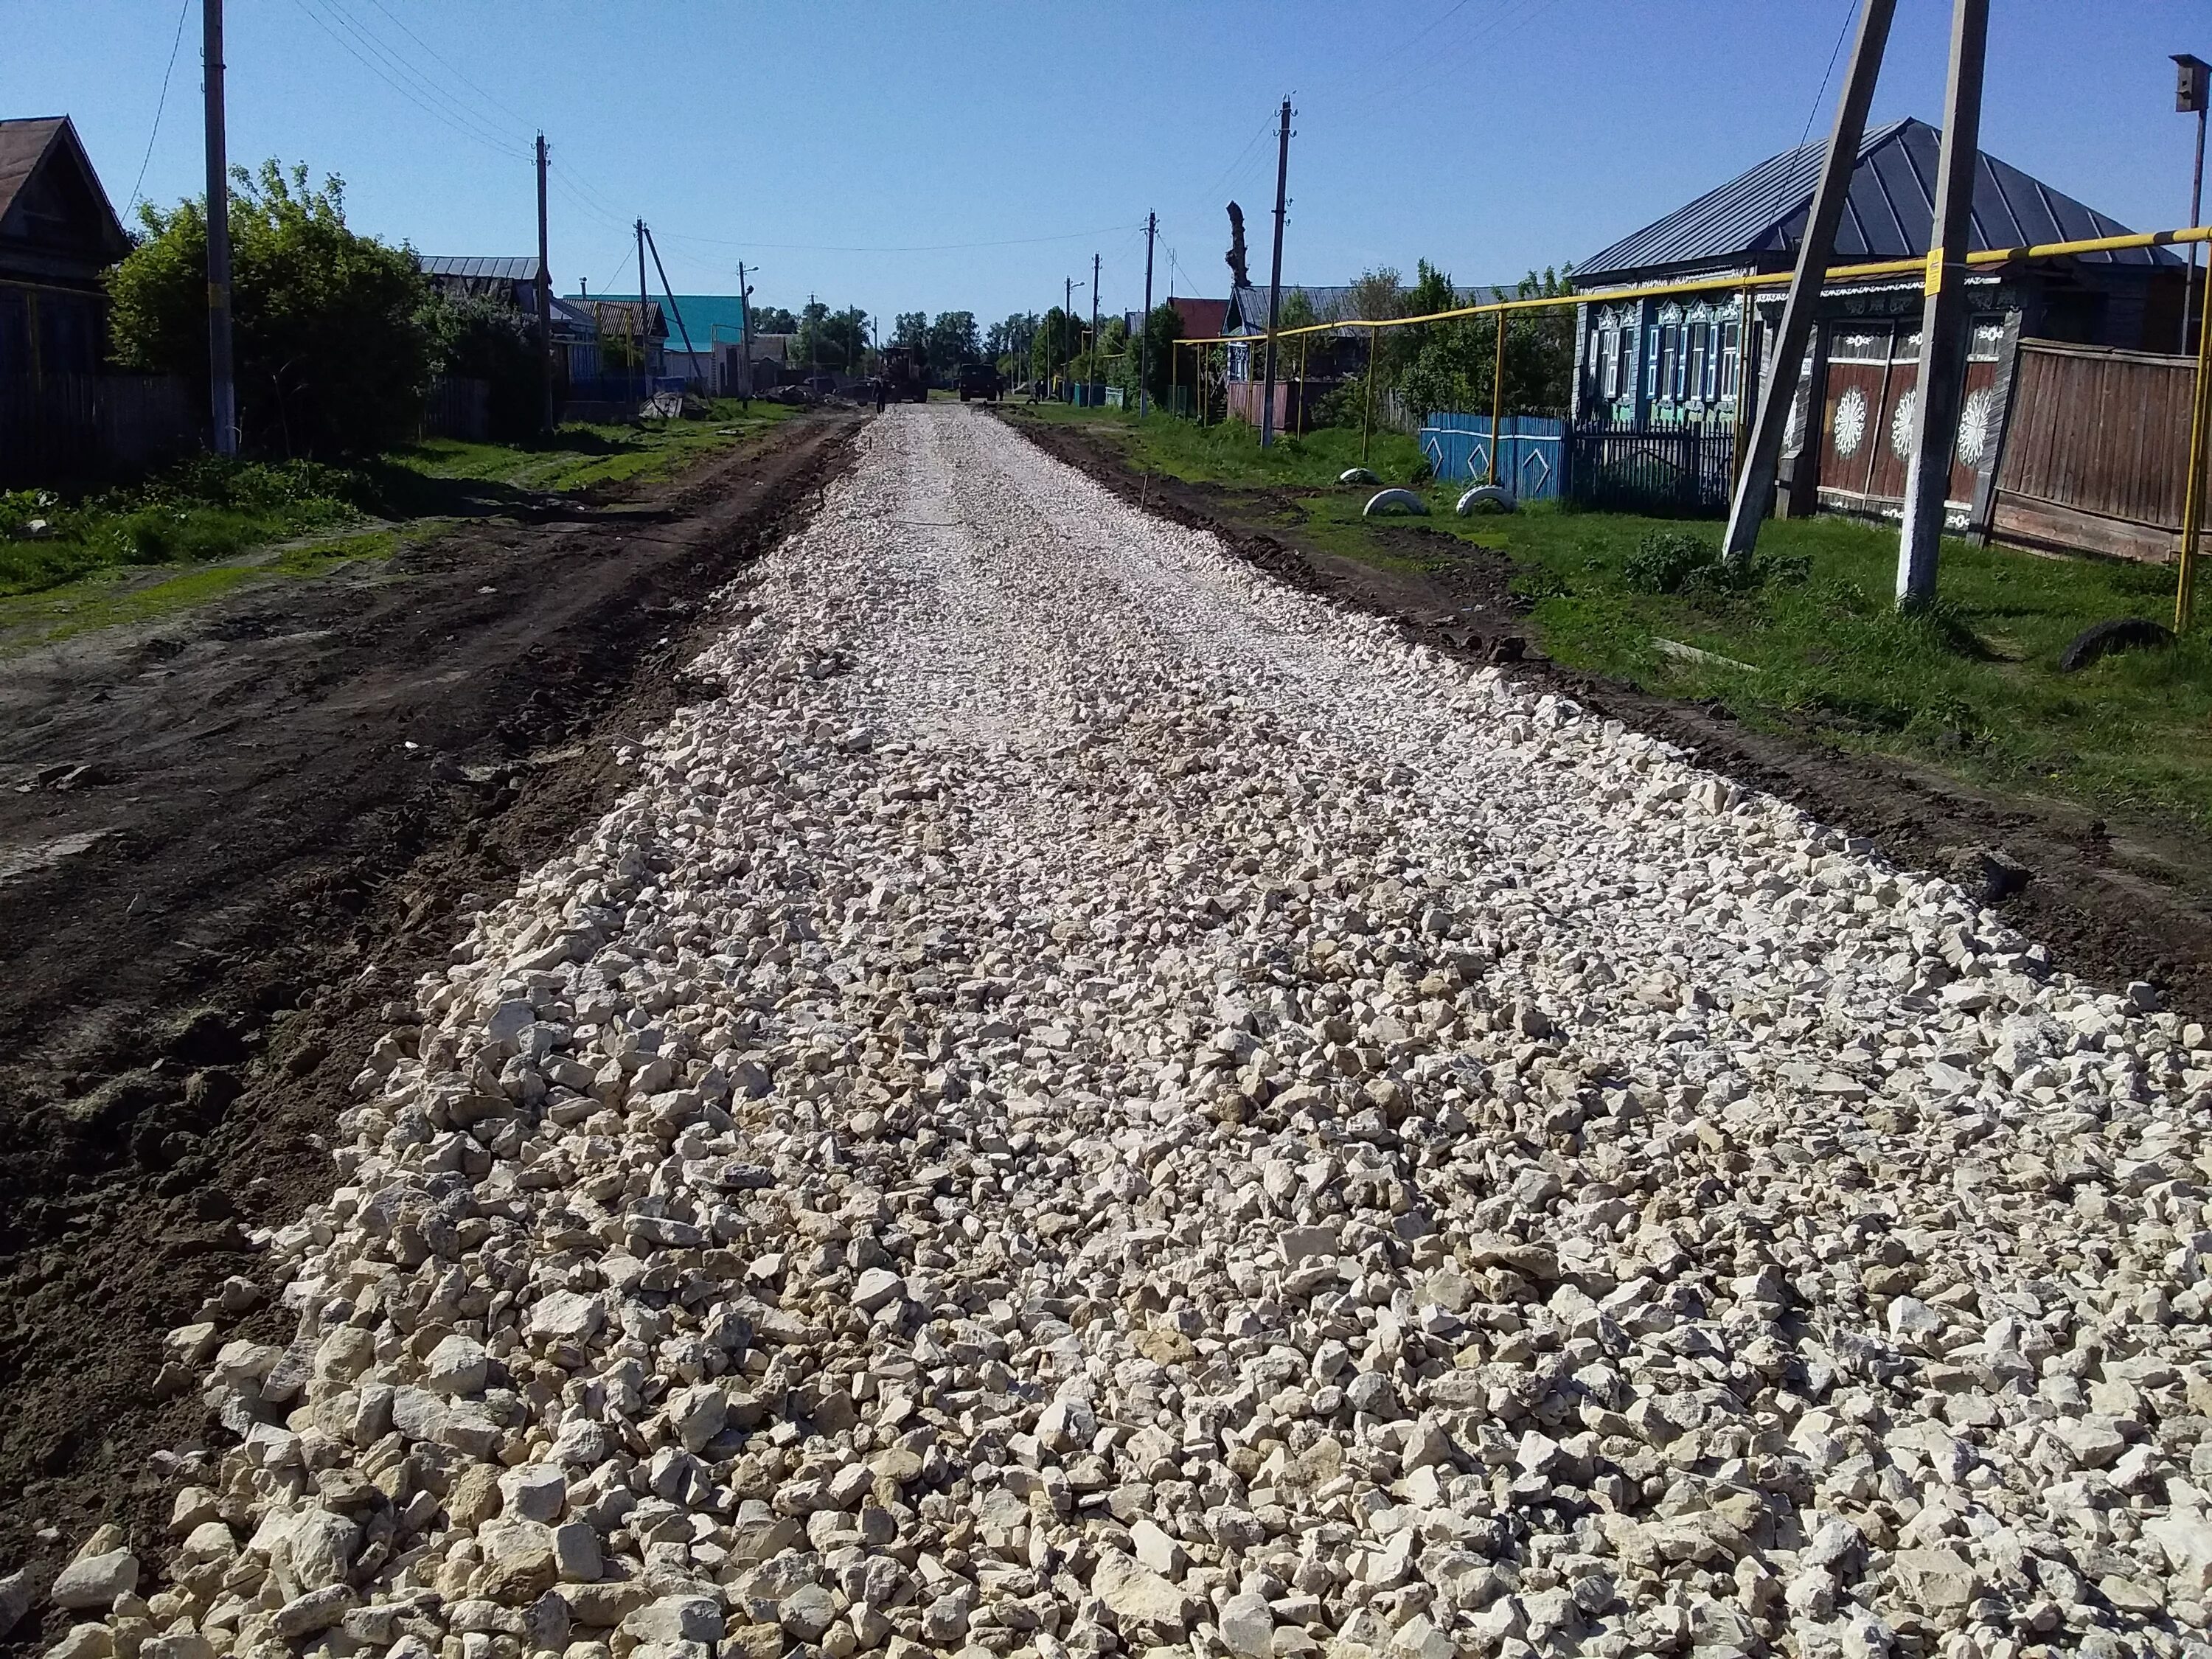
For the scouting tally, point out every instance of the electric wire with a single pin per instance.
(495, 144)
(161, 104)
(459, 109)
(1850, 9)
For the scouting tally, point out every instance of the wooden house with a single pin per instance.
(1676, 363)
(57, 234)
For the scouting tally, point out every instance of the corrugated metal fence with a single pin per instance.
(79, 428)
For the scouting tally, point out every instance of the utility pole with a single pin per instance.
(222, 390)
(744, 338)
(676, 311)
(2190, 97)
(813, 336)
(1094, 322)
(1943, 319)
(1144, 326)
(1275, 279)
(644, 332)
(1066, 307)
(1779, 390)
(544, 290)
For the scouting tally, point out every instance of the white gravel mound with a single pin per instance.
(1093, 1103)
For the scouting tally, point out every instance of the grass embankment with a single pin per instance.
(1972, 685)
(207, 525)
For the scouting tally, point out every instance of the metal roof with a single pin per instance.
(498, 267)
(1759, 216)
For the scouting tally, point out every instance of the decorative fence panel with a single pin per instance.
(72, 428)
(1458, 447)
(1683, 471)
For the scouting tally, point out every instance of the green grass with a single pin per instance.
(207, 511)
(118, 595)
(1971, 686)
(580, 458)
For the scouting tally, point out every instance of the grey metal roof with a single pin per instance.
(1759, 216)
(521, 268)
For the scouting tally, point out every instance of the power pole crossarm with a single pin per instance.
(222, 391)
(1275, 278)
(1779, 388)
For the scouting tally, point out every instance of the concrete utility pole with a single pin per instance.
(544, 290)
(644, 331)
(1943, 318)
(676, 311)
(1275, 279)
(222, 390)
(744, 338)
(1779, 388)
(1094, 323)
(1144, 330)
(2190, 90)
(1066, 310)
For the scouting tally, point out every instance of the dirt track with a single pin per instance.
(290, 797)
(2113, 903)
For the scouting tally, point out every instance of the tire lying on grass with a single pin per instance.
(1357, 475)
(2106, 638)
(1395, 501)
(1485, 498)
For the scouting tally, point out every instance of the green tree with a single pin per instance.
(911, 329)
(1455, 361)
(773, 320)
(483, 340)
(1058, 337)
(1163, 328)
(330, 351)
(1012, 337)
(953, 339)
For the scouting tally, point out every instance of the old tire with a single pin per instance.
(1357, 475)
(1485, 498)
(1395, 501)
(2106, 638)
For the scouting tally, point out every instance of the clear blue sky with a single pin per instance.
(831, 144)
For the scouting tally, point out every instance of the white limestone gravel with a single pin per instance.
(1093, 1103)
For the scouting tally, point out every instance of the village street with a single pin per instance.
(1090, 1101)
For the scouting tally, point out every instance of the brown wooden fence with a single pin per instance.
(69, 428)
(2096, 451)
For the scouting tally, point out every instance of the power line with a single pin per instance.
(450, 69)
(465, 128)
(159, 105)
(927, 247)
(1850, 9)
(458, 110)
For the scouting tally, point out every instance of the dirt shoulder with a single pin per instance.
(226, 839)
(2114, 902)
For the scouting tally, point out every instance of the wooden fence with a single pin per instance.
(2096, 451)
(69, 428)
(457, 407)
(1677, 471)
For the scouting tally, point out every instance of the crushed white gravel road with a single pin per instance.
(1092, 1103)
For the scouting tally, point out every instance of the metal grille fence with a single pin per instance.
(1681, 471)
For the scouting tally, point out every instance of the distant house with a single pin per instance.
(619, 320)
(57, 234)
(1677, 361)
(511, 280)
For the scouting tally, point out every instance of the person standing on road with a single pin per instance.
(880, 390)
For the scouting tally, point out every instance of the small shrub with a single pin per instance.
(1665, 560)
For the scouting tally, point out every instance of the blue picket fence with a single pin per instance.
(1528, 451)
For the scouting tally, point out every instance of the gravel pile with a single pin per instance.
(1093, 1105)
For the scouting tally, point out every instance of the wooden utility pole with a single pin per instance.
(222, 390)
(676, 311)
(1275, 278)
(1779, 390)
(1943, 319)
(2192, 83)
(545, 291)
(1094, 325)
(1144, 328)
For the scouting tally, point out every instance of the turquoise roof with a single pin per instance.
(706, 316)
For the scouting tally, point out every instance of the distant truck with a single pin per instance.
(979, 380)
(905, 377)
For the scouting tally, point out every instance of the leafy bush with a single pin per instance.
(1665, 560)
(482, 340)
(330, 358)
